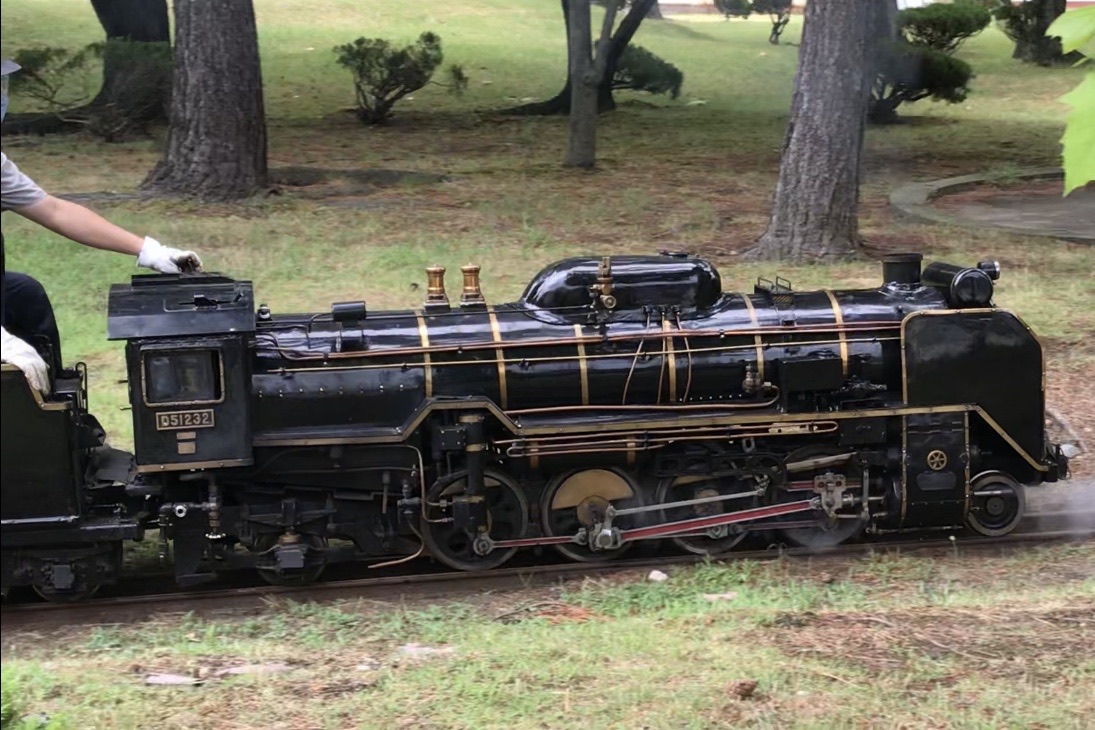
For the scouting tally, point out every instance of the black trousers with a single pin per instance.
(28, 314)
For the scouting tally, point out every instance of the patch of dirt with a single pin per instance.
(316, 183)
(1019, 189)
(1070, 393)
(1027, 643)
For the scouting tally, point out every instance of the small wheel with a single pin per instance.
(717, 540)
(53, 595)
(507, 519)
(1000, 507)
(830, 531)
(578, 499)
(266, 545)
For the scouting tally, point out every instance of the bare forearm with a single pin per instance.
(82, 225)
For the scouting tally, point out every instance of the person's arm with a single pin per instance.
(82, 225)
(22, 195)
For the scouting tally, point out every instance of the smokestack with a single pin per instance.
(902, 269)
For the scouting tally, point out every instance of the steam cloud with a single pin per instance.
(1076, 500)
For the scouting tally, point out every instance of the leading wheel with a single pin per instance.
(312, 548)
(997, 504)
(507, 519)
(578, 500)
(830, 530)
(716, 540)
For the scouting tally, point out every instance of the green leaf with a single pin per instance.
(1076, 29)
(1079, 136)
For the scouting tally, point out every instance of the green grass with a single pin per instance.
(975, 640)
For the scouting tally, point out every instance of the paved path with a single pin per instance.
(1033, 206)
(1042, 211)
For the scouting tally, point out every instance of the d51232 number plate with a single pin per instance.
(176, 420)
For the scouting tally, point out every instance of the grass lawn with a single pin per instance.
(885, 641)
(908, 642)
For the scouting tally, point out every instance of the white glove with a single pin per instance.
(26, 358)
(158, 257)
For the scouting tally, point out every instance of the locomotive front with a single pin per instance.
(619, 399)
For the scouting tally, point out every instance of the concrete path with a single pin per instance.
(1033, 206)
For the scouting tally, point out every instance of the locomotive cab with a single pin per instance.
(189, 371)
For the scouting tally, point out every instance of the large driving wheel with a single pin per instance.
(830, 530)
(716, 540)
(507, 519)
(577, 500)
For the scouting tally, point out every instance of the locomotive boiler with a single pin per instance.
(620, 399)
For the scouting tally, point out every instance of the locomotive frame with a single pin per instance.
(620, 399)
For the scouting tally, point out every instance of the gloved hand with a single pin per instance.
(20, 354)
(158, 257)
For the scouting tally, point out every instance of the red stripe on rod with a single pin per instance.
(703, 523)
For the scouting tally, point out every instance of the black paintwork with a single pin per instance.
(325, 425)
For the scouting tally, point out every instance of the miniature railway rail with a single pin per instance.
(450, 583)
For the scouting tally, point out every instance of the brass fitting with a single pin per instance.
(435, 287)
(472, 294)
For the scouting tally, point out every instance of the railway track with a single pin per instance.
(424, 581)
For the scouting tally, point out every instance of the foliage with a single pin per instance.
(46, 73)
(383, 74)
(640, 70)
(943, 26)
(1076, 29)
(135, 91)
(1026, 24)
(734, 8)
(778, 10)
(908, 72)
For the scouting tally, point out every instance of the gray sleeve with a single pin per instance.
(16, 189)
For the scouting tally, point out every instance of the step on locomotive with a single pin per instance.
(620, 399)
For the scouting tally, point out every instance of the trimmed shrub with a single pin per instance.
(640, 70)
(908, 73)
(734, 8)
(383, 75)
(779, 12)
(943, 27)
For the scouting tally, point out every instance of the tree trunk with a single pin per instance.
(136, 22)
(582, 131)
(216, 144)
(814, 207)
(560, 103)
(1034, 46)
(134, 78)
(588, 69)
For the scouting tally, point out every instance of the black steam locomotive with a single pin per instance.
(618, 400)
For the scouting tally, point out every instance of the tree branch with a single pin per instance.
(600, 62)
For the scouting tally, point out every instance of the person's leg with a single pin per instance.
(28, 314)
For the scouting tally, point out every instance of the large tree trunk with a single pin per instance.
(814, 208)
(216, 144)
(1034, 46)
(582, 132)
(560, 103)
(129, 65)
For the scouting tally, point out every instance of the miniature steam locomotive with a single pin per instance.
(618, 400)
